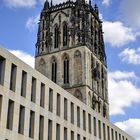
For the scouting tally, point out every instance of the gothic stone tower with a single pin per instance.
(70, 51)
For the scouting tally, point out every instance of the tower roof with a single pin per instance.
(46, 5)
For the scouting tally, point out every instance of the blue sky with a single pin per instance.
(121, 25)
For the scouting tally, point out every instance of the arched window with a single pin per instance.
(66, 70)
(65, 35)
(78, 95)
(43, 47)
(77, 67)
(95, 48)
(89, 99)
(42, 35)
(56, 36)
(42, 66)
(54, 70)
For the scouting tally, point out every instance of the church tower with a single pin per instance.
(70, 51)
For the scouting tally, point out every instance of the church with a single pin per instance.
(66, 96)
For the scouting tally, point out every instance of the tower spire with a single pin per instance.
(46, 5)
(96, 9)
(90, 2)
(51, 3)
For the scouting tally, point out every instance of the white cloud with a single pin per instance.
(121, 75)
(131, 126)
(131, 56)
(31, 23)
(106, 2)
(130, 12)
(122, 91)
(27, 58)
(20, 3)
(117, 34)
(101, 16)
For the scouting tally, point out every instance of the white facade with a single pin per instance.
(53, 113)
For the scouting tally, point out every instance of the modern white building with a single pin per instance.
(34, 107)
(66, 96)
